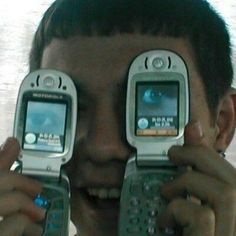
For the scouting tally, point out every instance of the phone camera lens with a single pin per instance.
(48, 82)
(158, 63)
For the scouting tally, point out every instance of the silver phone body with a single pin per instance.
(157, 110)
(45, 126)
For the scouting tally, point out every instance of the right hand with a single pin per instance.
(17, 209)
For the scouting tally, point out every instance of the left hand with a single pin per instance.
(212, 180)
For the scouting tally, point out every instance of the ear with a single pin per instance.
(226, 120)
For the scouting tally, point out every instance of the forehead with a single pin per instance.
(96, 62)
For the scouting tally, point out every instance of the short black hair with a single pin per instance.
(194, 20)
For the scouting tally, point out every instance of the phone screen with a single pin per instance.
(45, 126)
(157, 107)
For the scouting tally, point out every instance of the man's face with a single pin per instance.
(99, 66)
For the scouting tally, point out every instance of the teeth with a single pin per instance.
(104, 193)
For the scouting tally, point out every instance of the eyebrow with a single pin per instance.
(81, 87)
(84, 91)
(77, 82)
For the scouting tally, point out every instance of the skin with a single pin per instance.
(98, 66)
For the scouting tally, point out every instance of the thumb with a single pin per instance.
(193, 134)
(9, 152)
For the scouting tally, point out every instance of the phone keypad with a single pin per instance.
(53, 200)
(143, 203)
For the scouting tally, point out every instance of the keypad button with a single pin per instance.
(55, 216)
(57, 204)
(167, 178)
(152, 204)
(146, 187)
(135, 188)
(147, 190)
(151, 230)
(134, 220)
(134, 230)
(41, 201)
(51, 193)
(134, 202)
(53, 226)
(153, 213)
(150, 221)
(151, 189)
(134, 211)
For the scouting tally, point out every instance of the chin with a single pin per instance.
(93, 215)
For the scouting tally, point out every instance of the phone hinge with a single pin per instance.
(35, 172)
(48, 172)
(153, 160)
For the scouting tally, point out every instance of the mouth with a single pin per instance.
(101, 199)
(104, 193)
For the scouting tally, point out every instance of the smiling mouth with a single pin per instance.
(102, 198)
(104, 193)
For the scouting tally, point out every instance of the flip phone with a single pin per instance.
(45, 125)
(157, 110)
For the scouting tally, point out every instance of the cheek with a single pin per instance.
(83, 122)
(81, 128)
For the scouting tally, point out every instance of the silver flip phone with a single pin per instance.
(157, 110)
(45, 125)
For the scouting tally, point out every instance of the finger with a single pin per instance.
(18, 225)
(204, 160)
(14, 181)
(193, 134)
(33, 230)
(18, 202)
(221, 197)
(235, 228)
(9, 152)
(195, 220)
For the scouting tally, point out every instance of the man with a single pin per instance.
(94, 41)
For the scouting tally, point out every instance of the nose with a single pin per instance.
(106, 139)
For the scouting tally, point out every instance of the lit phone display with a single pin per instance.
(45, 126)
(157, 108)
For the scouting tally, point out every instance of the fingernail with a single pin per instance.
(39, 215)
(9, 143)
(43, 213)
(198, 128)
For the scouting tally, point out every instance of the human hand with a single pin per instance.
(19, 213)
(212, 180)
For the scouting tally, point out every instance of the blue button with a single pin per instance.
(41, 201)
